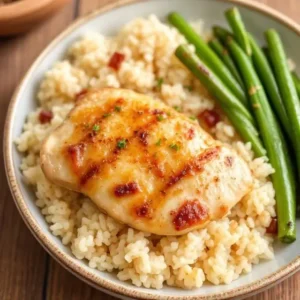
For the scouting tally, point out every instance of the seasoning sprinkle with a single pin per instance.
(121, 144)
(96, 128)
(160, 118)
(193, 118)
(160, 82)
(158, 143)
(177, 108)
(174, 146)
(117, 108)
(106, 115)
(188, 87)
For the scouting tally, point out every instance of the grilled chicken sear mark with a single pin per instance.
(132, 156)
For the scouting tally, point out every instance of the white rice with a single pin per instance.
(219, 253)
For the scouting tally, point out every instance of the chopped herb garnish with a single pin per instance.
(121, 144)
(174, 146)
(158, 143)
(118, 108)
(106, 115)
(160, 118)
(96, 128)
(177, 108)
(160, 82)
(193, 118)
(188, 87)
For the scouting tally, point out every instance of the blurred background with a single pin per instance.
(26, 270)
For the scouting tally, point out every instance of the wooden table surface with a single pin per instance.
(26, 271)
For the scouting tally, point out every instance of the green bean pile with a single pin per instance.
(260, 96)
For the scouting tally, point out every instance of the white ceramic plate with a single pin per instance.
(108, 21)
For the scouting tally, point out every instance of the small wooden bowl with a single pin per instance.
(20, 16)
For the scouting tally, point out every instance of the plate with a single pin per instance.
(108, 20)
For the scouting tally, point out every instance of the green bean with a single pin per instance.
(266, 75)
(222, 52)
(264, 70)
(286, 87)
(208, 56)
(266, 53)
(239, 31)
(295, 77)
(221, 33)
(283, 178)
(236, 112)
(296, 80)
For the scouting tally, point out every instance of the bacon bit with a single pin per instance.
(116, 60)
(196, 165)
(144, 211)
(120, 101)
(123, 190)
(142, 135)
(190, 134)
(272, 228)
(228, 161)
(90, 173)
(160, 114)
(210, 117)
(79, 95)
(76, 152)
(157, 112)
(45, 116)
(189, 214)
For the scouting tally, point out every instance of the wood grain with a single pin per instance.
(26, 271)
(22, 260)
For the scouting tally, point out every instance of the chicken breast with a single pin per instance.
(143, 163)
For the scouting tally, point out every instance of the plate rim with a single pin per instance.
(71, 263)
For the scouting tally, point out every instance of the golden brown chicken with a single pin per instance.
(143, 163)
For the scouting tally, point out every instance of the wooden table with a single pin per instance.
(26, 271)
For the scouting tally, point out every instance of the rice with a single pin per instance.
(218, 254)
